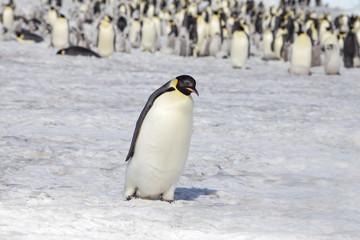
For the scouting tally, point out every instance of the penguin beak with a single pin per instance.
(193, 90)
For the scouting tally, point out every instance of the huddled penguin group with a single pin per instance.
(291, 32)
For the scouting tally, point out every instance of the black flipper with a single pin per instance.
(165, 88)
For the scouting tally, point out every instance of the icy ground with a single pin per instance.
(273, 156)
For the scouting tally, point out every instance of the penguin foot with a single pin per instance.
(165, 200)
(128, 198)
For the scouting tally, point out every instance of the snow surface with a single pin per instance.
(273, 156)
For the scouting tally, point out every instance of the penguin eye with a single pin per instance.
(185, 83)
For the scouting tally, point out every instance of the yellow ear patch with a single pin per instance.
(63, 52)
(174, 83)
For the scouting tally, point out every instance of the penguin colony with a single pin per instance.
(197, 28)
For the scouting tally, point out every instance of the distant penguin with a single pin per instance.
(161, 140)
(239, 48)
(323, 27)
(225, 45)
(332, 59)
(286, 51)
(316, 55)
(122, 41)
(268, 53)
(60, 33)
(134, 35)
(148, 35)
(51, 16)
(77, 51)
(204, 50)
(215, 26)
(301, 55)
(8, 17)
(171, 39)
(121, 23)
(279, 42)
(106, 37)
(27, 37)
(202, 31)
(183, 44)
(215, 45)
(351, 49)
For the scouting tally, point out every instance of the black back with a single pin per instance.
(165, 88)
(121, 23)
(78, 51)
(351, 49)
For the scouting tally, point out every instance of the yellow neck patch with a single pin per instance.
(174, 83)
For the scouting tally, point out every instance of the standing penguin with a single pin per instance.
(279, 42)
(106, 37)
(268, 39)
(215, 45)
(332, 59)
(148, 35)
(122, 41)
(8, 17)
(301, 55)
(51, 16)
(161, 141)
(239, 48)
(351, 49)
(134, 34)
(60, 33)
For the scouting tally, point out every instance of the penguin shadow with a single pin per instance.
(191, 194)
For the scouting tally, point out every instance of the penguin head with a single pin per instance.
(186, 85)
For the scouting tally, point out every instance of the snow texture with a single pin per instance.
(272, 156)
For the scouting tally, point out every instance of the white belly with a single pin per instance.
(162, 146)
(60, 34)
(267, 40)
(106, 41)
(149, 37)
(239, 50)
(8, 18)
(134, 32)
(301, 53)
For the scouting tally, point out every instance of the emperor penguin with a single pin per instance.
(239, 48)
(215, 45)
(279, 42)
(351, 49)
(202, 29)
(77, 51)
(51, 16)
(301, 55)
(148, 35)
(332, 59)
(268, 38)
(106, 37)
(8, 17)
(60, 33)
(161, 140)
(27, 37)
(215, 26)
(134, 34)
(171, 39)
(122, 40)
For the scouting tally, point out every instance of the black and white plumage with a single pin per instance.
(161, 141)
